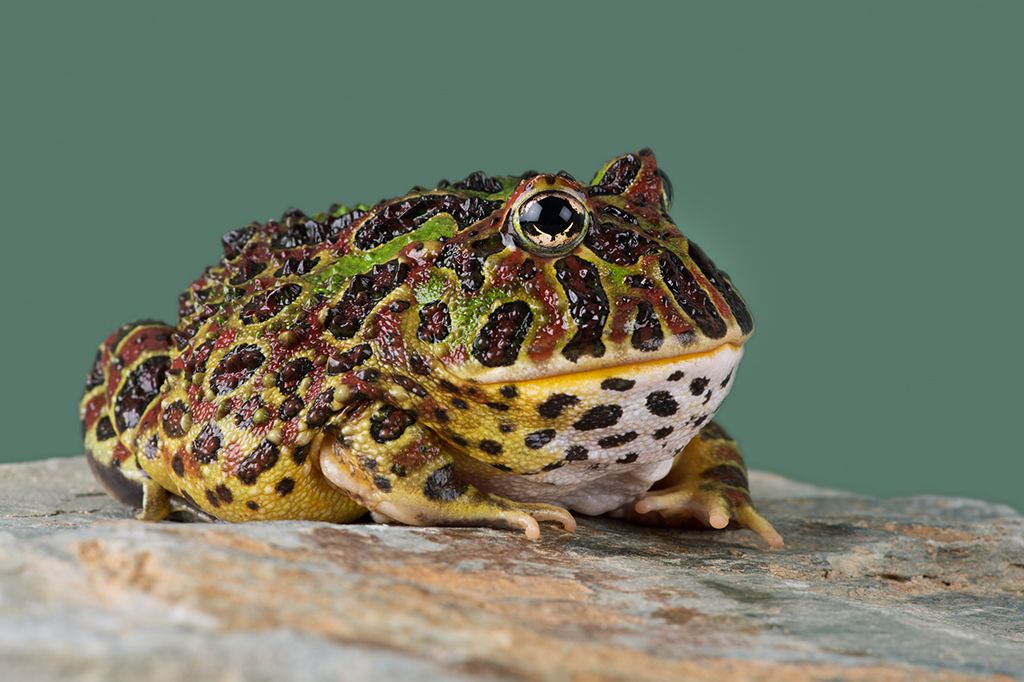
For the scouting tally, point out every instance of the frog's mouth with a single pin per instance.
(724, 354)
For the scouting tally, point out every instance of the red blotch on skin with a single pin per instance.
(92, 409)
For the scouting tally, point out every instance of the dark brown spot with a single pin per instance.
(104, 429)
(345, 318)
(171, 419)
(618, 245)
(499, 340)
(138, 391)
(211, 497)
(693, 300)
(261, 459)
(251, 504)
(618, 177)
(296, 266)
(509, 391)
(300, 453)
(236, 367)
(178, 465)
(676, 375)
(350, 359)
(224, 493)
(284, 486)
(207, 443)
(491, 447)
(460, 403)
(498, 407)
(266, 304)
(442, 485)
(292, 373)
(627, 458)
(720, 281)
(698, 385)
(435, 322)
(410, 385)
(647, 334)
(468, 260)
(290, 408)
(320, 409)
(405, 215)
(587, 304)
(389, 423)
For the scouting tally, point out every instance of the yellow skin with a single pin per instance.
(494, 352)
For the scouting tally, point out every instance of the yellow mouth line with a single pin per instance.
(599, 373)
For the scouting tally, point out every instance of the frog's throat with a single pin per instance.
(628, 369)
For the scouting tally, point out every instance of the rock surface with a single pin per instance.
(867, 589)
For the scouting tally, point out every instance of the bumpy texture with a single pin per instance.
(479, 353)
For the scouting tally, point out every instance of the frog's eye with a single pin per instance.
(550, 223)
(666, 191)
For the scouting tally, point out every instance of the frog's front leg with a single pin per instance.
(402, 472)
(707, 483)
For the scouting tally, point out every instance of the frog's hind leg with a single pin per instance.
(118, 410)
(400, 471)
(707, 484)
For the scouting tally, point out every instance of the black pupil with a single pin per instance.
(553, 215)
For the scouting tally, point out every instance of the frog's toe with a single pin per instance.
(712, 508)
(528, 517)
(748, 517)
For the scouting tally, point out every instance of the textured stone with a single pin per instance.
(867, 589)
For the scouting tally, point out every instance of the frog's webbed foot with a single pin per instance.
(707, 484)
(399, 471)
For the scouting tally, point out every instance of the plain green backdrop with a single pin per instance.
(856, 167)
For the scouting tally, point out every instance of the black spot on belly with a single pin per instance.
(389, 423)
(178, 465)
(138, 391)
(346, 317)
(442, 485)
(252, 505)
(491, 447)
(266, 304)
(628, 458)
(236, 367)
(539, 439)
(262, 458)
(663, 432)
(598, 417)
(509, 391)
(662, 404)
(207, 443)
(614, 384)
(697, 386)
(553, 465)
(693, 300)
(212, 498)
(588, 306)
(676, 375)
(576, 453)
(647, 334)
(556, 404)
(499, 340)
(284, 486)
(725, 381)
(435, 322)
(460, 403)
(617, 440)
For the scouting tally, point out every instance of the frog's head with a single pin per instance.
(554, 276)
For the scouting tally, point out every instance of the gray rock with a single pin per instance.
(866, 589)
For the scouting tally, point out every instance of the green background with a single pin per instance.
(856, 167)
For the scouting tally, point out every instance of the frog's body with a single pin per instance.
(484, 353)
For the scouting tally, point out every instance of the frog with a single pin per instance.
(500, 351)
